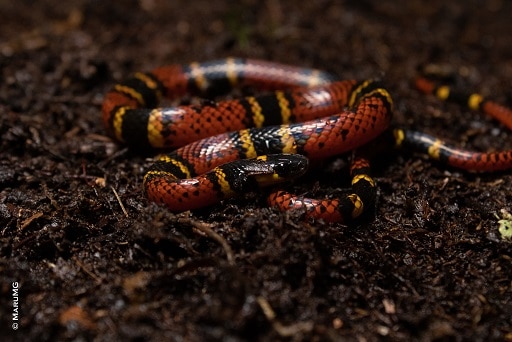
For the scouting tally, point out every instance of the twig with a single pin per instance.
(120, 202)
(283, 330)
(203, 227)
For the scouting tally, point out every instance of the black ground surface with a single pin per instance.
(430, 266)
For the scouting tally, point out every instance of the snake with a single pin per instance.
(299, 116)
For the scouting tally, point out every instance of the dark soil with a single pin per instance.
(431, 265)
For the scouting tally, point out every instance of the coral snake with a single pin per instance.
(233, 146)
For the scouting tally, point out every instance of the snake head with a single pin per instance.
(263, 171)
(279, 168)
